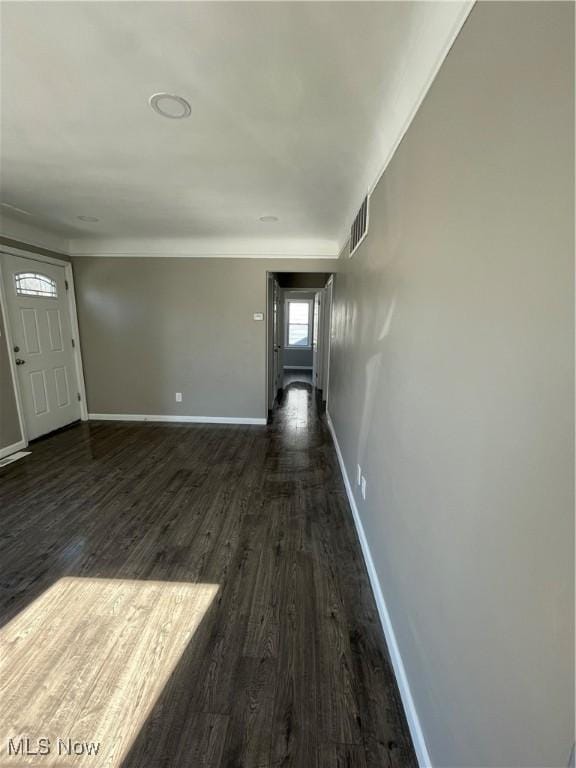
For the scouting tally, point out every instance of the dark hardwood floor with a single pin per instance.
(288, 666)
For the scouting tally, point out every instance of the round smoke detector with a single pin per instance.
(169, 105)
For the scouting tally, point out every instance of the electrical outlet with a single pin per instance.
(178, 397)
(364, 488)
(358, 474)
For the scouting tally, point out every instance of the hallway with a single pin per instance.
(287, 666)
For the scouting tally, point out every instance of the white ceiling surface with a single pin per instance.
(296, 109)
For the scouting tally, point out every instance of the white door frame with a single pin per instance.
(329, 306)
(267, 318)
(69, 276)
(273, 295)
(321, 339)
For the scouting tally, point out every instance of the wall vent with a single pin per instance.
(359, 228)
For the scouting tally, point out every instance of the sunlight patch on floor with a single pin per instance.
(85, 663)
(297, 409)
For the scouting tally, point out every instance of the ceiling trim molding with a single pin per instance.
(168, 255)
(19, 247)
(216, 248)
(466, 7)
(31, 234)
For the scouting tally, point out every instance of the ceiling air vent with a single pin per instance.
(359, 228)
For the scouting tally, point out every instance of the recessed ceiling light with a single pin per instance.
(268, 219)
(170, 105)
(87, 218)
(15, 208)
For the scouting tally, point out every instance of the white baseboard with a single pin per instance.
(393, 649)
(175, 419)
(7, 460)
(298, 368)
(12, 448)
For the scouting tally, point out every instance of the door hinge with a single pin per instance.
(66, 284)
(78, 396)
(73, 343)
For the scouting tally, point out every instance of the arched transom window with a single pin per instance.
(35, 284)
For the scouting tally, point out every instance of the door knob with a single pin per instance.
(19, 361)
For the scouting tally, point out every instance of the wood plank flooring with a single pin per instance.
(286, 666)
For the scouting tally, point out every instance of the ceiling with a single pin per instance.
(296, 108)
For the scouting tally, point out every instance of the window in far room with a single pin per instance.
(299, 323)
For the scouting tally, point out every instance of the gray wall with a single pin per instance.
(151, 327)
(297, 357)
(9, 423)
(452, 386)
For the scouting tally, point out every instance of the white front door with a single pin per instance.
(39, 317)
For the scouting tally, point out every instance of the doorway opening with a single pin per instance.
(299, 306)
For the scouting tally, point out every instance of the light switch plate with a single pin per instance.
(178, 397)
(258, 315)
